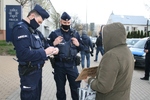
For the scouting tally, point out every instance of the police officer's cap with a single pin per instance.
(65, 16)
(42, 12)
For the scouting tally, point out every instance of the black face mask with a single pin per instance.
(65, 27)
(34, 24)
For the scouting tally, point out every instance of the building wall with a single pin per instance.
(137, 27)
(130, 26)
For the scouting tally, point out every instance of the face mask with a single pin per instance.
(65, 27)
(34, 24)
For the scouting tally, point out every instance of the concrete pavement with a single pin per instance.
(10, 90)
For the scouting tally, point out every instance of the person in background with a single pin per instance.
(114, 73)
(99, 45)
(147, 60)
(32, 51)
(88, 49)
(65, 66)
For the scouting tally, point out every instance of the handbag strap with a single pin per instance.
(89, 86)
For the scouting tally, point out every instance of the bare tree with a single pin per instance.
(147, 4)
(22, 2)
(55, 20)
(44, 3)
(75, 23)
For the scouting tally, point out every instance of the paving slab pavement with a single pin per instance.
(10, 90)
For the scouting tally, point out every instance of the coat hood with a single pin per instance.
(84, 35)
(115, 33)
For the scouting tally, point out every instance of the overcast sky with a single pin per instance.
(98, 11)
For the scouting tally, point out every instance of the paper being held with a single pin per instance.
(87, 72)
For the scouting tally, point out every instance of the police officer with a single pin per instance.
(31, 51)
(147, 59)
(69, 44)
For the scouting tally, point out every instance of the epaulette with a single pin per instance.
(18, 25)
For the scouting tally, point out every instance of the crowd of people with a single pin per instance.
(114, 73)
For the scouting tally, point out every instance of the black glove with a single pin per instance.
(91, 52)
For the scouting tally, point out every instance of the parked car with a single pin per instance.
(130, 42)
(138, 51)
(93, 39)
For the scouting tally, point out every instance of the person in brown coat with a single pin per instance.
(114, 73)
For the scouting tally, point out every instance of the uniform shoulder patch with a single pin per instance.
(22, 36)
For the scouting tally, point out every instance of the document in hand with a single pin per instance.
(87, 72)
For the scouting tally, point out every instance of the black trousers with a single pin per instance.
(147, 67)
(31, 85)
(62, 72)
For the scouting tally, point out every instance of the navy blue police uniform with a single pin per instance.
(29, 44)
(147, 60)
(65, 66)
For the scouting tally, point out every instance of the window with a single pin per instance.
(134, 28)
(127, 28)
(145, 29)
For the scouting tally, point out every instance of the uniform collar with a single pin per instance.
(25, 22)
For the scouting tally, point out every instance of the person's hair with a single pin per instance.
(33, 12)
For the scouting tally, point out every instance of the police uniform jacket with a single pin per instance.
(29, 46)
(66, 37)
(147, 46)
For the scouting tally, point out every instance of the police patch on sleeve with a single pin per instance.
(22, 36)
(48, 39)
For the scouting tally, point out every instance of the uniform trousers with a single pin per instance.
(31, 85)
(62, 72)
(147, 67)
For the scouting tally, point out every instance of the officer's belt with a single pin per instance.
(32, 66)
(64, 59)
(26, 69)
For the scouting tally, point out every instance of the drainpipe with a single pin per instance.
(147, 25)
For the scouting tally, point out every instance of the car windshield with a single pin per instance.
(131, 41)
(140, 44)
(93, 39)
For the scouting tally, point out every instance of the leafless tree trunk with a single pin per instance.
(22, 2)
